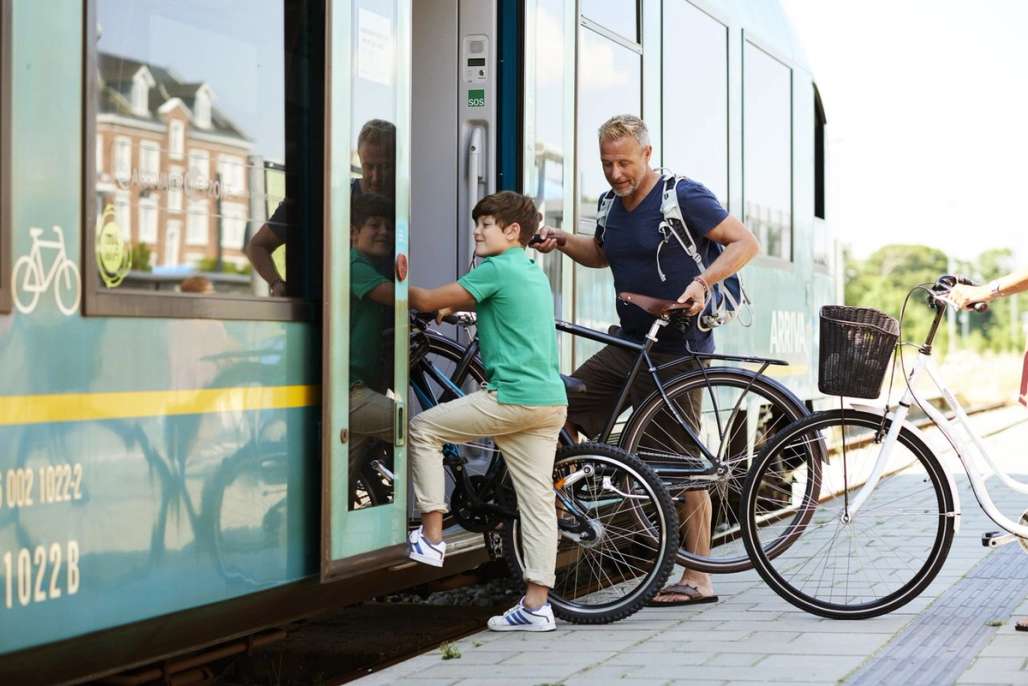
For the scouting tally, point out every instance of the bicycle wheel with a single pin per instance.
(609, 575)
(434, 361)
(844, 564)
(737, 411)
(25, 279)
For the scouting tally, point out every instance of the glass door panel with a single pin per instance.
(365, 375)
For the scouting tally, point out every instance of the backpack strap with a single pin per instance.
(606, 202)
(674, 221)
(725, 305)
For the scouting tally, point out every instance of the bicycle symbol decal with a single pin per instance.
(30, 278)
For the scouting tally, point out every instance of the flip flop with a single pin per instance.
(1021, 625)
(695, 597)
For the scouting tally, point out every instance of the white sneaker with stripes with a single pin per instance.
(420, 549)
(520, 618)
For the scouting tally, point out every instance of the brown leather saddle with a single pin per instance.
(658, 307)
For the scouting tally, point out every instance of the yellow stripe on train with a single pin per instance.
(77, 407)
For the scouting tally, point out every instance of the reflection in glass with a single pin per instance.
(695, 101)
(620, 16)
(767, 151)
(192, 142)
(609, 85)
(372, 254)
(544, 124)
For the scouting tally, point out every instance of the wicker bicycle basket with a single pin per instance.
(856, 344)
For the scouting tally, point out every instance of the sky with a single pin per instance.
(234, 45)
(927, 106)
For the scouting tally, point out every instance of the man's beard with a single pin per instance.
(626, 191)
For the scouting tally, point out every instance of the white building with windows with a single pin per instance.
(168, 159)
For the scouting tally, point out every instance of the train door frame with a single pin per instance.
(6, 217)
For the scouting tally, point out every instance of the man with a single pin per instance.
(629, 247)
(376, 148)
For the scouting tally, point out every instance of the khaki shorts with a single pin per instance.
(605, 374)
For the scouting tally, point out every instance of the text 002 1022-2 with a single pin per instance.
(25, 487)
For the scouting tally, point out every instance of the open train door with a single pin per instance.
(365, 324)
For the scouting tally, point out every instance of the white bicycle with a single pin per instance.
(883, 509)
(30, 279)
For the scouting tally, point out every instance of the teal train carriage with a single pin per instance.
(187, 192)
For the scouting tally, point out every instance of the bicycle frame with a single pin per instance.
(36, 255)
(971, 463)
(643, 358)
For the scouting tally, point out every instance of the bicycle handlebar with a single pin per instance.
(945, 283)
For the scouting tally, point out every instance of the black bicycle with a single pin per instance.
(616, 522)
(700, 431)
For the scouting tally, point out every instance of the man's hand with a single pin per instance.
(277, 288)
(551, 239)
(697, 294)
(442, 313)
(967, 296)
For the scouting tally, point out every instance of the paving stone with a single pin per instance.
(735, 660)
(1014, 645)
(550, 670)
(682, 659)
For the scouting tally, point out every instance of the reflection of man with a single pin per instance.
(376, 148)
(629, 246)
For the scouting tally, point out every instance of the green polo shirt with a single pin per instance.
(516, 329)
(368, 319)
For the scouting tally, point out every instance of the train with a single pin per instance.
(180, 184)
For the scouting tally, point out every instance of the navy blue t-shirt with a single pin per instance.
(630, 244)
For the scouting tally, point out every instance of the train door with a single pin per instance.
(365, 327)
(424, 73)
(454, 132)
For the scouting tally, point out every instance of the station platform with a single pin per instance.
(959, 631)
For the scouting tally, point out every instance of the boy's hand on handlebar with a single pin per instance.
(548, 239)
(696, 294)
(442, 313)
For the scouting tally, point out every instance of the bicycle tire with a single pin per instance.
(20, 282)
(661, 522)
(782, 408)
(926, 494)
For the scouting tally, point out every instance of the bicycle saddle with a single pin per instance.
(573, 385)
(658, 307)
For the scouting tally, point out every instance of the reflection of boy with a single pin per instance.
(523, 406)
(371, 313)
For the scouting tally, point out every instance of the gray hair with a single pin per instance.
(622, 125)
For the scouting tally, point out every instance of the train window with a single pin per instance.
(767, 151)
(619, 16)
(603, 91)
(548, 143)
(5, 154)
(205, 132)
(695, 102)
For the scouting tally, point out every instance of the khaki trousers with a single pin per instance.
(526, 435)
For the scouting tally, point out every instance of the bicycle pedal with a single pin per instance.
(994, 539)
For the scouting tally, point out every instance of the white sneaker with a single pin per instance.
(520, 618)
(420, 549)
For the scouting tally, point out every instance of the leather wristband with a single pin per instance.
(703, 282)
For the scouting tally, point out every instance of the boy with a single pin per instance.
(523, 406)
